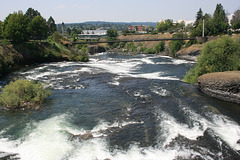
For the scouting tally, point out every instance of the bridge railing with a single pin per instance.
(137, 40)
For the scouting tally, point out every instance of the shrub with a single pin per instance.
(190, 43)
(160, 47)
(57, 37)
(122, 44)
(175, 46)
(143, 49)
(220, 55)
(150, 51)
(23, 94)
(131, 47)
(4, 42)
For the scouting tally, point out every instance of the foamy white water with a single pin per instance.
(50, 138)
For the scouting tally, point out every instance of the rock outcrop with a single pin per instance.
(191, 53)
(221, 85)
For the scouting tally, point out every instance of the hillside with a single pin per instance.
(15, 56)
(146, 36)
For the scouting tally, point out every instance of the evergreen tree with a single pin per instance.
(219, 21)
(51, 25)
(0, 29)
(235, 22)
(31, 13)
(199, 17)
(197, 31)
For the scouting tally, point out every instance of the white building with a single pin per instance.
(94, 32)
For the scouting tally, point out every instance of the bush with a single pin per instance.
(122, 44)
(150, 51)
(175, 46)
(4, 42)
(220, 55)
(160, 47)
(23, 94)
(131, 47)
(190, 43)
(143, 49)
(57, 37)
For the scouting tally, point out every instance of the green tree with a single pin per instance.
(37, 28)
(219, 21)
(177, 45)
(199, 17)
(164, 25)
(112, 33)
(52, 27)
(31, 13)
(15, 27)
(220, 55)
(69, 31)
(0, 29)
(235, 22)
(197, 31)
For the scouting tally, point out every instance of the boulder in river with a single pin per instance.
(221, 85)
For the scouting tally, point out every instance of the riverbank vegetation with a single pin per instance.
(21, 94)
(219, 55)
(13, 56)
(28, 38)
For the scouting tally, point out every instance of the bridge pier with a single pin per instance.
(92, 49)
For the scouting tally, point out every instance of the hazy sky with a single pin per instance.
(74, 11)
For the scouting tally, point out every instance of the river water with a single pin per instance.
(120, 107)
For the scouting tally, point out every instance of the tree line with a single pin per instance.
(19, 27)
(214, 25)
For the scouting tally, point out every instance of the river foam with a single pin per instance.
(151, 102)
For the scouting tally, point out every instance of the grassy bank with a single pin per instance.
(13, 56)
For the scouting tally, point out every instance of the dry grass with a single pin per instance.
(148, 36)
(192, 49)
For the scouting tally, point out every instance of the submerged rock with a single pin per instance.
(9, 156)
(82, 137)
(221, 85)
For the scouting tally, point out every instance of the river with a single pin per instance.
(129, 107)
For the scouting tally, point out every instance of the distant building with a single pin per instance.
(137, 28)
(131, 28)
(94, 32)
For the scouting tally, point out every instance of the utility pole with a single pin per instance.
(62, 28)
(203, 26)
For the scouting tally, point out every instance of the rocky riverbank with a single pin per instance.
(221, 85)
(13, 56)
(191, 53)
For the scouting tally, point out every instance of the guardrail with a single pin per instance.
(138, 40)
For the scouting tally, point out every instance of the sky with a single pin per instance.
(78, 11)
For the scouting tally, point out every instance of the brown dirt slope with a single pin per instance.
(146, 36)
